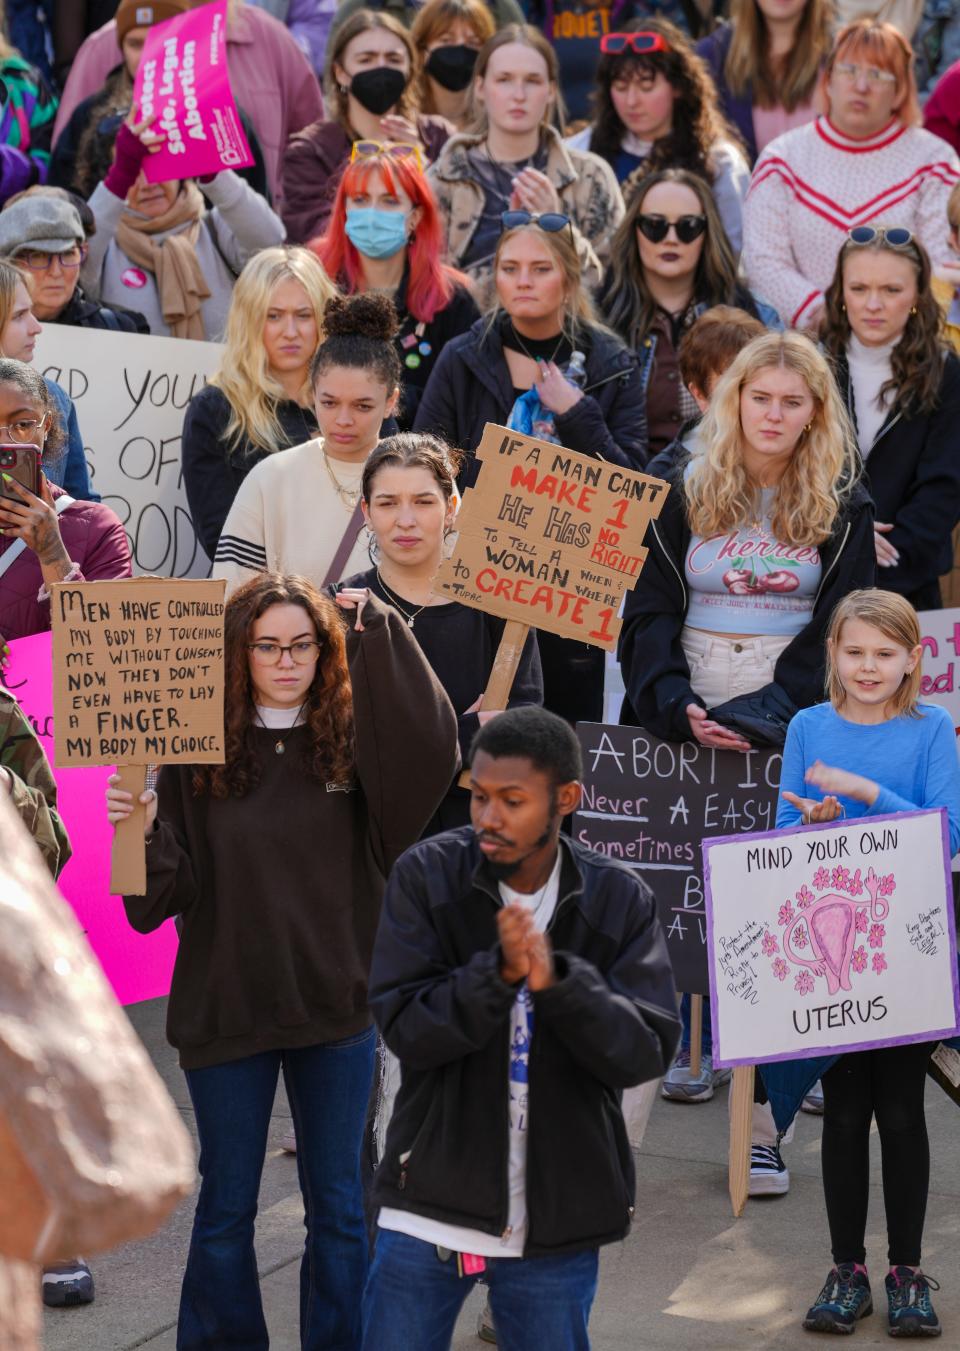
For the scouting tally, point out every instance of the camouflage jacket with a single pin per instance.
(34, 791)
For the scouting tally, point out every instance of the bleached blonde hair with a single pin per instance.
(244, 375)
(897, 620)
(719, 494)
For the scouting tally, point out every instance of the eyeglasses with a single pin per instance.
(847, 70)
(656, 228)
(269, 654)
(551, 221)
(641, 44)
(394, 149)
(896, 236)
(39, 261)
(24, 430)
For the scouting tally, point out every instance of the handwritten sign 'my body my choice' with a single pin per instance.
(650, 803)
(825, 939)
(138, 672)
(550, 537)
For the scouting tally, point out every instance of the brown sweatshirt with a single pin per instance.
(279, 891)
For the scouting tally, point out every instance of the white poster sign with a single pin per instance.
(131, 392)
(832, 938)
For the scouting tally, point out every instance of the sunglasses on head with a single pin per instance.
(897, 236)
(551, 221)
(395, 149)
(656, 228)
(641, 44)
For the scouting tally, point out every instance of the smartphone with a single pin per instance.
(23, 464)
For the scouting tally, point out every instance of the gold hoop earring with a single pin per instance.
(808, 426)
(914, 310)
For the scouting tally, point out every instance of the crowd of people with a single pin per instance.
(719, 243)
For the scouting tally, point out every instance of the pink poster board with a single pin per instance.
(138, 966)
(183, 83)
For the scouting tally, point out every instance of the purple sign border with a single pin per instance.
(844, 1047)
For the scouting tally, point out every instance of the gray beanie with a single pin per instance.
(40, 222)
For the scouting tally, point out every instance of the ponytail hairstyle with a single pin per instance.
(897, 620)
(360, 332)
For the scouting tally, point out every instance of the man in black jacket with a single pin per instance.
(523, 982)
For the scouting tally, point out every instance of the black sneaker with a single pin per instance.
(66, 1284)
(769, 1175)
(844, 1299)
(909, 1309)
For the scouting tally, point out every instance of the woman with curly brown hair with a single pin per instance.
(655, 108)
(275, 864)
(901, 385)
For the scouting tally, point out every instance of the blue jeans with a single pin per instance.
(706, 1029)
(412, 1298)
(328, 1087)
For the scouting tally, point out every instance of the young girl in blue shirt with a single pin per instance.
(897, 755)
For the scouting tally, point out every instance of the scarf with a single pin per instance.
(181, 285)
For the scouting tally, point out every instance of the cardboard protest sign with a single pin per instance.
(831, 938)
(182, 82)
(138, 672)
(550, 538)
(138, 966)
(131, 393)
(650, 803)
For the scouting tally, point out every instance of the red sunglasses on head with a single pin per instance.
(641, 44)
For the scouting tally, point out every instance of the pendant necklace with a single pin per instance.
(279, 746)
(395, 602)
(526, 350)
(348, 496)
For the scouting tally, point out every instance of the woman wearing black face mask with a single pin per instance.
(447, 35)
(370, 69)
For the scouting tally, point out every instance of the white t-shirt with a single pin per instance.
(511, 1243)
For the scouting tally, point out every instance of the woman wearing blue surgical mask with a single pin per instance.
(385, 235)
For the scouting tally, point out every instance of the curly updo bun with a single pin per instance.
(359, 332)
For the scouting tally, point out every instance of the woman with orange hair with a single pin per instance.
(866, 161)
(385, 235)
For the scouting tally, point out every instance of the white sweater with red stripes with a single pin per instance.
(813, 184)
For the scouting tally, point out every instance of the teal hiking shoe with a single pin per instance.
(909, 1310)
(844, 1299)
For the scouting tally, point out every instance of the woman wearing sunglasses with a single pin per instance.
(385, 235)
(516, 160)
(671, 261)
(275, 864)
(370, 69)
(655, 108)
(901, 385)
(867, 160)
(541, 316)
(766, 63)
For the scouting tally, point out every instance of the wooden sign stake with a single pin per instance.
(502, 675)
(741, 1133)
(696, 1033)
(128, 858)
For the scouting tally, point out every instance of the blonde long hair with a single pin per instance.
(244, 375)
(822, 469)
(560, 244)
(897, 620)
(748, 64)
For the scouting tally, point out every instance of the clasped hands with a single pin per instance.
(527, 953)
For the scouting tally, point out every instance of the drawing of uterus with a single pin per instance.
(829, 925)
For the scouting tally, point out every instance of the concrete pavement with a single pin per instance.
(688, 1276)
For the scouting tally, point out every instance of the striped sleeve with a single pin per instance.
(768, 259)
(241, 550)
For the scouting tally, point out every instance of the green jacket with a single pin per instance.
(34, 792)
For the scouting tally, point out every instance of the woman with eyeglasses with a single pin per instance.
(385, 235)
(541, 316)
(371, 68)
(655, 108)
(901, 386)
(516, 161)
(671, 261)
(766, 63)
(866, 161)
(45, 536)
(340, 743)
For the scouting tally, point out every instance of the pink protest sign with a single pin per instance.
(184, 84)
(138, 966)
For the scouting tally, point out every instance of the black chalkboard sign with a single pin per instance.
(650, 803)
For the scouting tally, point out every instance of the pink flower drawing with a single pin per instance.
(855, 887)
(800, 936)
(804, 983)
(805, 897)
(780, 969)
(877, 932)
(770, 944)
(879, 962)
(888, 885)
(861, 921)
(786, 913)
(821, 879)
(859, 960)
(841, 878)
